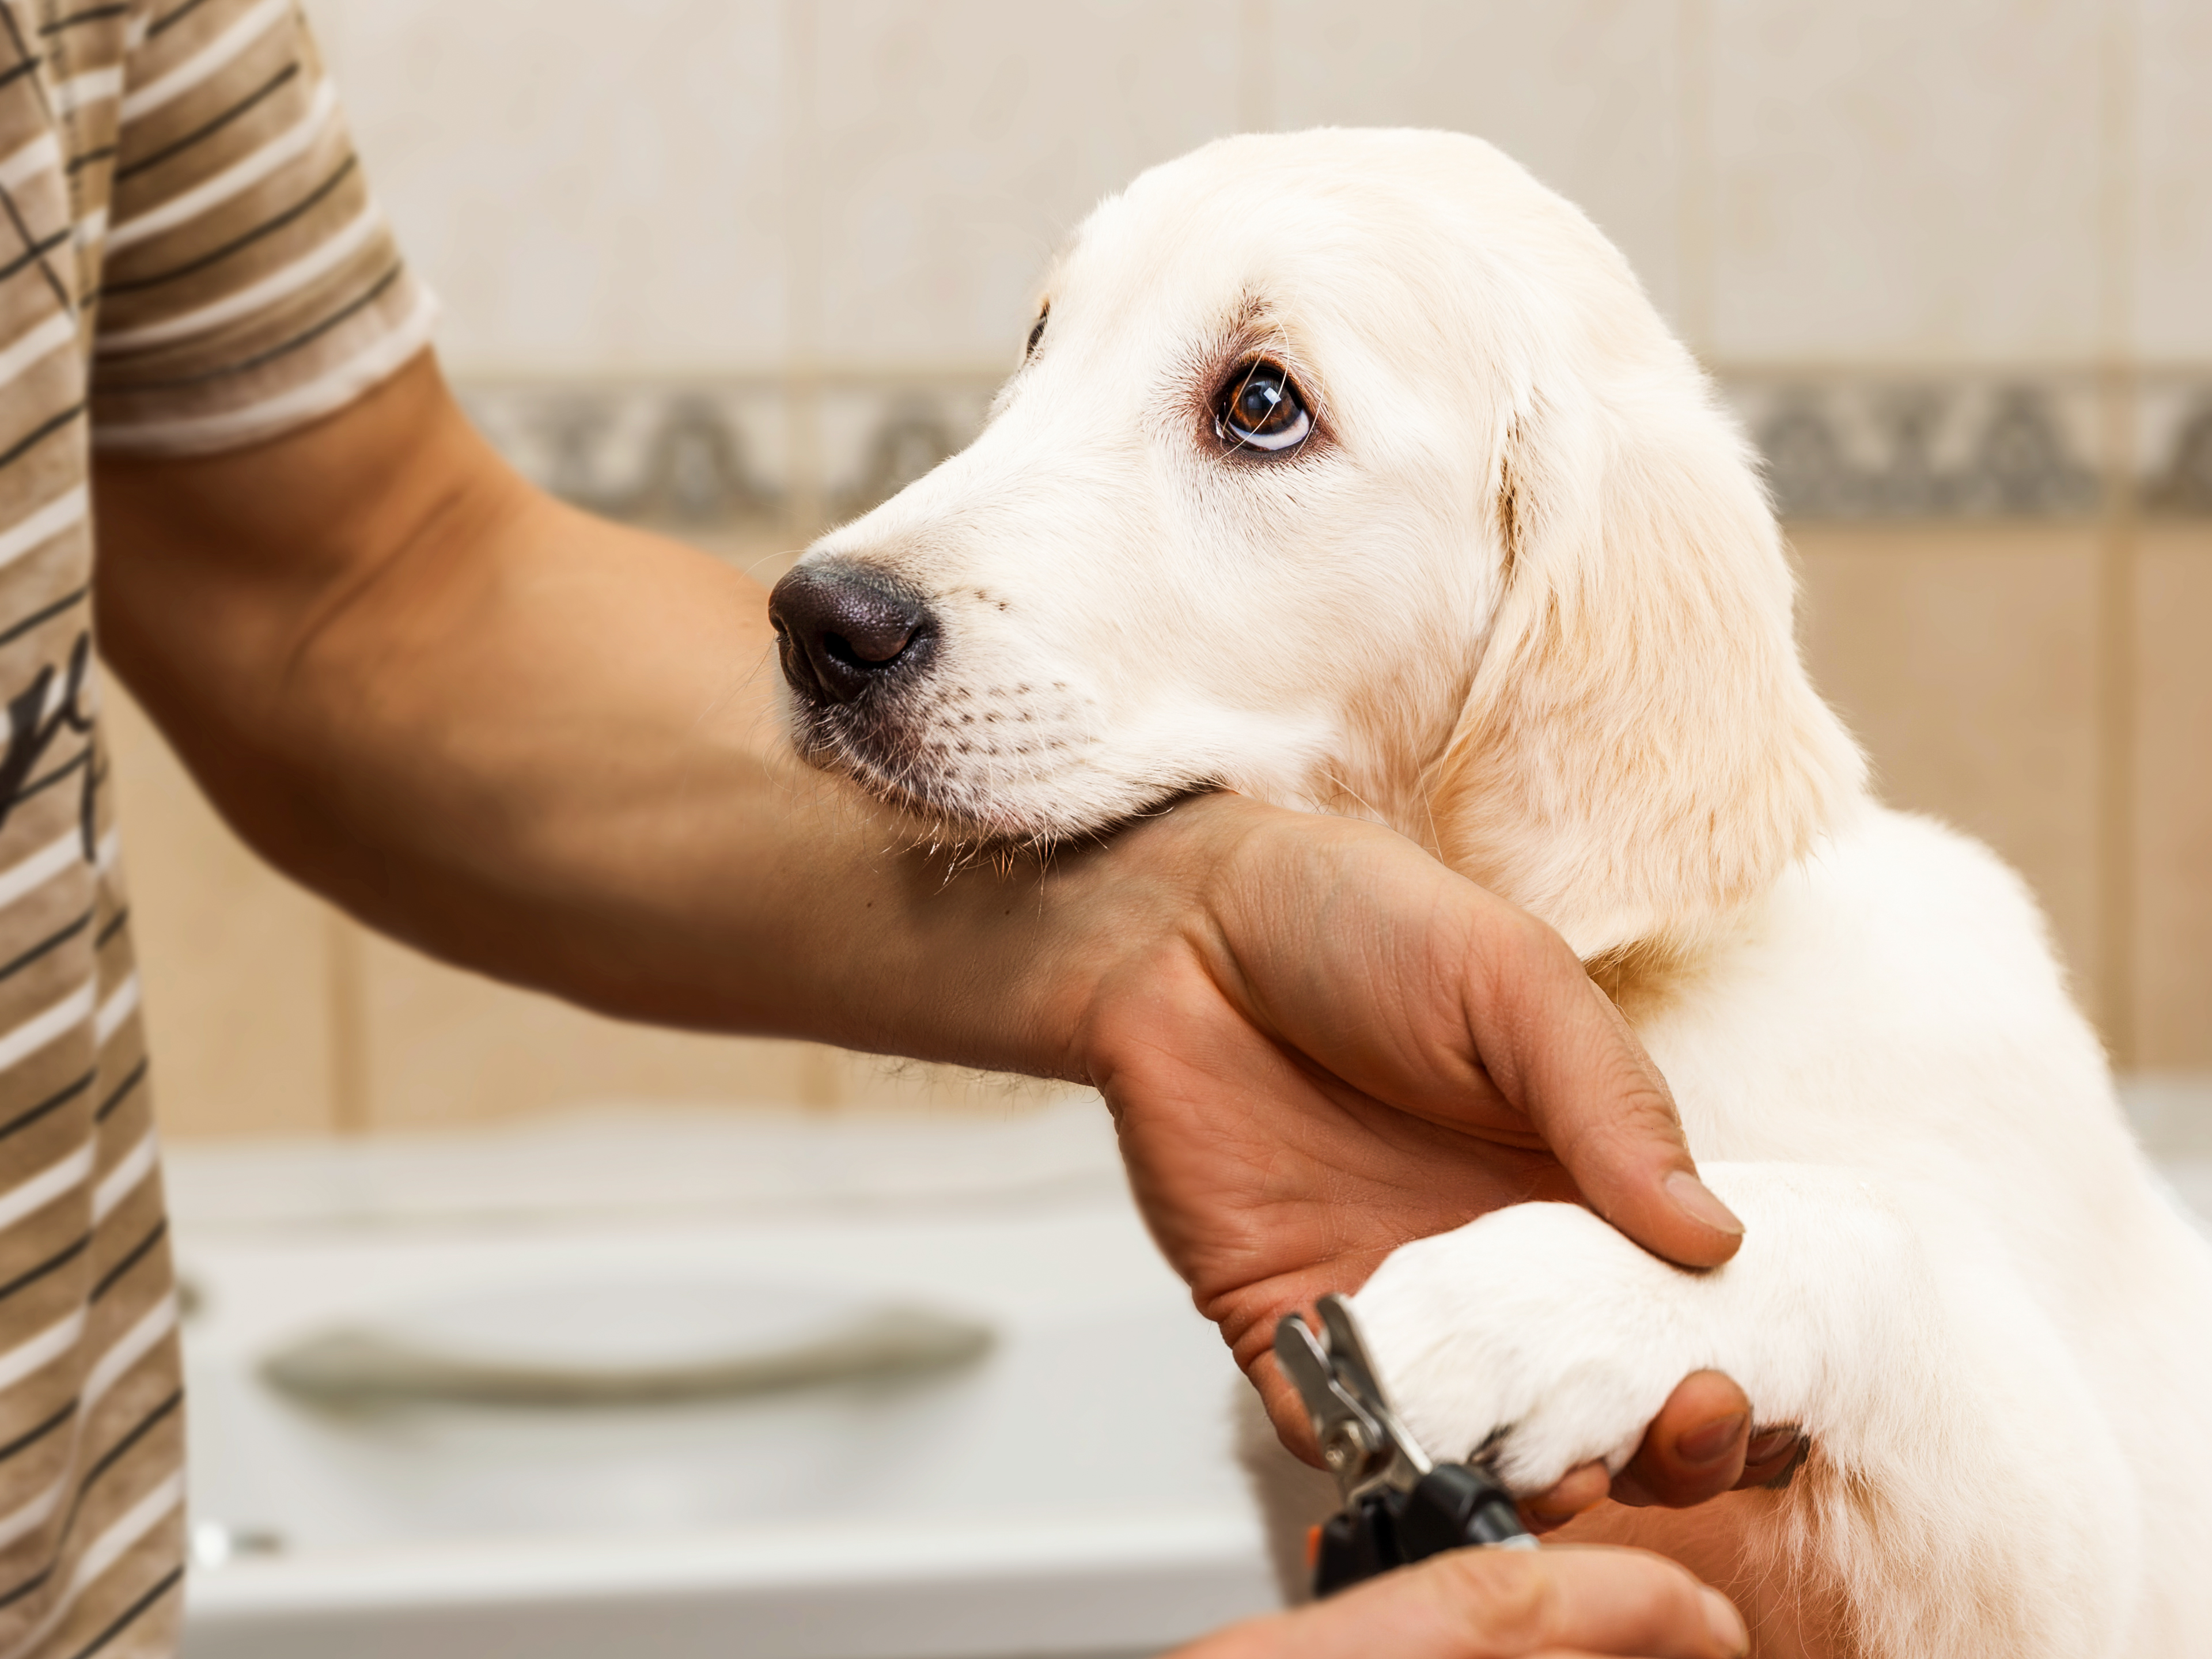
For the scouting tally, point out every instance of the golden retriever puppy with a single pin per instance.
(1354, 470)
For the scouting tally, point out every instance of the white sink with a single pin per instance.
(1071, 1492)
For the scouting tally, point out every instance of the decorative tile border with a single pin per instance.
(726, 452)
(1925, 449)
(1838, 446)
(2174, 447)
(690, 454)
(1971, 445)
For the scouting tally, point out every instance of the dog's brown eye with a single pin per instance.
(1260, 408)
(1036, 333)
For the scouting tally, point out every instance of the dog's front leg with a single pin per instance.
(1964, 1493)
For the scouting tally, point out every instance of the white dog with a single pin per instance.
(1354, 470)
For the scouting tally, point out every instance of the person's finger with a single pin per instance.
(1503, 1604)
(1582, 1487)
(1773, 1457)
(1286, 1410)
(1695, 1448)
(1559, 1048)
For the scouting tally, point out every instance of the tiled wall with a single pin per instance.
(743, 266)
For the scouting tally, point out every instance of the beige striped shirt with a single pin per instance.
(188, 260)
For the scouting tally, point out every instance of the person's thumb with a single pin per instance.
(1558, 1049)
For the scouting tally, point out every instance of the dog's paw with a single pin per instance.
(1537, 1336)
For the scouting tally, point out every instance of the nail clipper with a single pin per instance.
(1400, 1504)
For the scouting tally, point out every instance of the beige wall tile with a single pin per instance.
(1963, 657)
(236, 960)
(447, 1048)
(1904, 181)
(596, 191)
(1585, 94)
(960, 141)
(589, 188)
(2173, 825)
(2173, 210)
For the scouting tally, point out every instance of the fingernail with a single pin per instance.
(1725, 1623)
(1707, 1444)
(1580, 1488)
(1627, 1489)
(1766, 1447)
(1695, 1200)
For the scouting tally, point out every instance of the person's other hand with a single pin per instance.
(1349, 1047)
(1699, 1446)
(1497, 1604)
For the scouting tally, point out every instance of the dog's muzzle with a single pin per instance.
(847, 631)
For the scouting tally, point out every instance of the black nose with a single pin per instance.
(841, 627)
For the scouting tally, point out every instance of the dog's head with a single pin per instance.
(1351, 470)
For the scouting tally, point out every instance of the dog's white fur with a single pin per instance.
(1522, 596)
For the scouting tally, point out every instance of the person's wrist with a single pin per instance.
(1139, 910)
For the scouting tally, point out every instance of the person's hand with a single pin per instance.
(1350, 1046)
(1496, 1604)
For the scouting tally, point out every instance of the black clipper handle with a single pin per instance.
(1453, 1507)
(1357, 1544)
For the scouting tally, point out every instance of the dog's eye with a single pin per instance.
(1037, 333)
(1260, 408)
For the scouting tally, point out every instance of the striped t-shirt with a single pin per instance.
(189, 261)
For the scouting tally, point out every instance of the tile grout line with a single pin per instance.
(1255, 80)
(2117, 851)
(865, 372)
(347, 982)
(1694, 250)
(801, 378)
(817, 1082)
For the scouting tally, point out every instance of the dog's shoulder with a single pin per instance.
(1899, 974)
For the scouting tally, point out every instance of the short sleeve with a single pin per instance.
(249, 284)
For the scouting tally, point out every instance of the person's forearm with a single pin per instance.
(549, 747)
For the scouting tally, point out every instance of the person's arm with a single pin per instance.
(550, 749)
(1503, 1604)
(524, 740)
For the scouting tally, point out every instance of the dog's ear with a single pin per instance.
(1641, 750)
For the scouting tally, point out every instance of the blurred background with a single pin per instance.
(741, 268)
